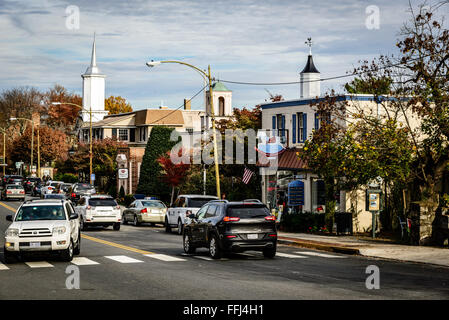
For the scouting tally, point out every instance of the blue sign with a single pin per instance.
(92, 177)
(296, 193)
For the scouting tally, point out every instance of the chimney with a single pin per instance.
(187, 105)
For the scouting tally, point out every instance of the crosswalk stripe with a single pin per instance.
(83, 261)
(163, 257)
(123, 259)
(3, 267)
(203, 257)
(286, 255)
(316, 254)
(39, 264)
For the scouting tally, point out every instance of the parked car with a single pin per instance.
(184, 205)
(49, 187)
(98, 210)
(80, 189)
(152, 211)
(64, 189)
(43, 226)
(30, 182)
(36, 190)
(224, 226)
(13, 191)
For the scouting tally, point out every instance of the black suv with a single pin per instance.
(30, 182)
(224, 226)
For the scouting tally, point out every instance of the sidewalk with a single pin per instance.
(368, 248)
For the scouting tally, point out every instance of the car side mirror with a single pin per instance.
(192, 216)
(73, 216)
(9, 217)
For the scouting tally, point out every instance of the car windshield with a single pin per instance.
(102, 202)
(54, 184)
(198, 202)
(48, 212)
(84, 186)
(14, 187)
(153, 204)
(248, 211)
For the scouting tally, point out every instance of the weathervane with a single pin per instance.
(309, 43)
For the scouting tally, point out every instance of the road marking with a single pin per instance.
(83, 261)
(287, 255)
(164, 257)
(319, 254)
(3, 267)
(117, 245)
(203, 257)
(39, 264)
(123, 259)
(8, 207)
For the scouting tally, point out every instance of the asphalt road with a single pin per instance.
(147, 263)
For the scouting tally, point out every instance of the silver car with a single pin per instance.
(13, 191)
(152, 211)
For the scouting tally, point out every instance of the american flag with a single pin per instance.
(247, 175)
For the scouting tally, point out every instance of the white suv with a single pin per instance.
(49, 187)
(100, 210)
(43, 225)
(185, 204)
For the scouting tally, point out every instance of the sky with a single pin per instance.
(247, 40)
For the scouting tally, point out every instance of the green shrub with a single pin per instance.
(129, 198)
(66, 177)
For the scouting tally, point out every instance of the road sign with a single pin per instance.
(92, 177)
(3, 165)
(123, 173)
(19, 164)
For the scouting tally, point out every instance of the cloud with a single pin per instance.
(244, 40)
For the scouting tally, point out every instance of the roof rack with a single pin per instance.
(252, 200)
(224, 200)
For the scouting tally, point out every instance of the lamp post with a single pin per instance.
(32, 144)
(208, 78)
(4, 150)
(90, 133)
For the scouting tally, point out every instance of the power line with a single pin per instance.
(182, 105)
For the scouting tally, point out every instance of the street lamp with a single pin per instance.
(208, 78)
(32, 145)
(90, 133)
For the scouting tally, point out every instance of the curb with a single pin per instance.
(319, 245)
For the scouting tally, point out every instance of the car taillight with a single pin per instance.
(272, 235)
(50, 188)
(144, 210)
(73, 195)
(8, 192)
(270, 218)
(22, 192)
(227, 219)
(89, 207)
(230, 236)
(117, 207)
(28, 182)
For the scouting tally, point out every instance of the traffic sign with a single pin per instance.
(92, 177)
(123, 173)
(19, 164)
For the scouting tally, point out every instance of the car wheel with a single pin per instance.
(136, 221)
(67, 254)
(167, 226)
(124, 219)
(77, 249)
(180, 227)
(269, 253)
(9, 256)
(188, 248)
(116, 226)
(214, 248)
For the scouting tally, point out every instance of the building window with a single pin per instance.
(114, 133)
(300, 127)
(221, 106)
(85, 135)
(143, 136)
(123, 134)
(132, 135)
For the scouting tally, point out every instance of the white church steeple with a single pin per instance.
(93, 89)
(310, 77)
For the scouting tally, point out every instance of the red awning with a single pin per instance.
(288, 160)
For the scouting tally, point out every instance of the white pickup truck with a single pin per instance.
(185, 204)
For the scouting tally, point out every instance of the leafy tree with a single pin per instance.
(174, 174)
(116, 105)
(150, 180)
(376, 86)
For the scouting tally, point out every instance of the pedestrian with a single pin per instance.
(223, 196)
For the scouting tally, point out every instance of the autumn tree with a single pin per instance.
(174, 174)
(116, 105)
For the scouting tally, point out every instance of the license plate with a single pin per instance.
(35, 244)
(253, 236)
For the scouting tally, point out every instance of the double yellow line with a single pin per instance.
(109, 243)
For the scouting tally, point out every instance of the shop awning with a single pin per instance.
(289, 160)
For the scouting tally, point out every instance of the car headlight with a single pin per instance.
(12, 232)
(59, 230)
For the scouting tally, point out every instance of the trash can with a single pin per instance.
(344, 222)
